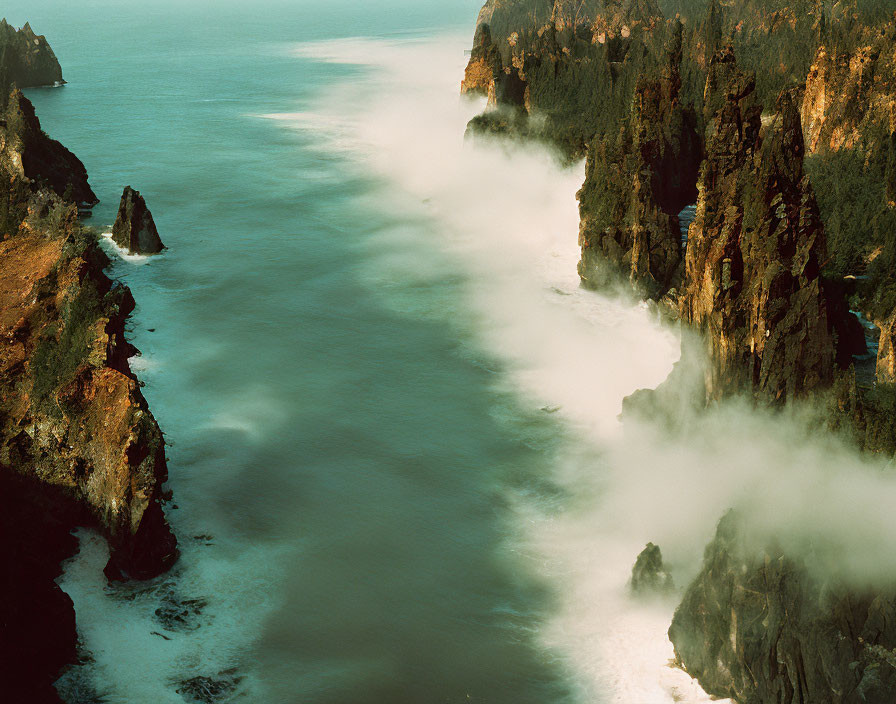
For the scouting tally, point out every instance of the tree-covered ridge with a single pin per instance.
(577, 57)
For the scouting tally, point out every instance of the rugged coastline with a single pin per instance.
(78, 443)
(775, 120)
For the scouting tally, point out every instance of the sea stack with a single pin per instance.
(134, 228)
(649, 575)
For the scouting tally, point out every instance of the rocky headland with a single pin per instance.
(78, 443)
(26, 58)
(776, 121)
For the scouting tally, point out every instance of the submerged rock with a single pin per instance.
(179, 614)
(649, 575)
(134, 228)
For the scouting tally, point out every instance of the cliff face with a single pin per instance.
(755, 251)
(635, 188)
(26, 58)
(574, 65)
(484, 67)
(886, 352)
(849, 114)
(78, 444)
(29, 154)
(73, 414)
(851, 92)
(769, 259)
(755, 626)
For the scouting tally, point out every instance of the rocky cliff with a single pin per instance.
(26, 58)
(755, 250)
(33, 157)
(756, 626)
(572, 65)
(78, 444)
(850, 89)
(636, 185)
(73, 415)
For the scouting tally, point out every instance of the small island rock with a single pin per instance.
(649, 575)
(134, 228)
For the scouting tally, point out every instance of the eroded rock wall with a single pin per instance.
(78, 444)
(636, 186)
(756, 626)
(755, 251)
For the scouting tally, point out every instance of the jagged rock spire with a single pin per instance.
(754, 257)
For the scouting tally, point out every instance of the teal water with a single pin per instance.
(362, 426)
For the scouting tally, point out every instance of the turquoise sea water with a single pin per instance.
(371, 407)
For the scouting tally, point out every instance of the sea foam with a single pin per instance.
(507, 224)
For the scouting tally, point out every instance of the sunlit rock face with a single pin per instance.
(756, 626)
(755, 251)
(850, 95)
(484, 66)
(73, 415)
(886, 352)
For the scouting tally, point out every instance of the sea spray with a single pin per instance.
(507, 222)
(506, 226)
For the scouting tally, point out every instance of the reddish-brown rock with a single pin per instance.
(851, 94)
(78, 444)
